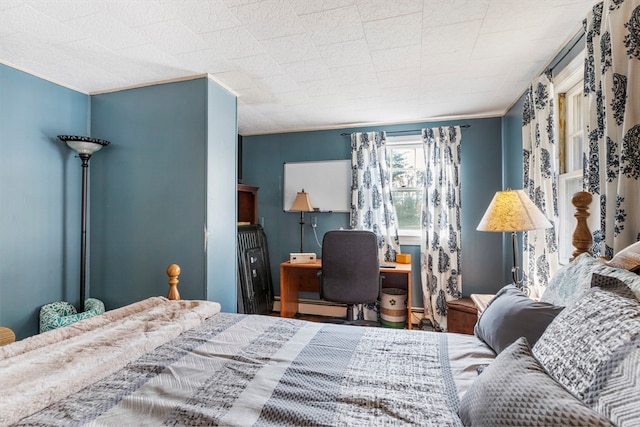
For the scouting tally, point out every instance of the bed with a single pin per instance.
(162, 361)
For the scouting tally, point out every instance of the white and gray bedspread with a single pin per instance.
(261, 370)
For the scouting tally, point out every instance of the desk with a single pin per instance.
(296, 278)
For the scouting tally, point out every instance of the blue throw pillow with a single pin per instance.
(511, 315)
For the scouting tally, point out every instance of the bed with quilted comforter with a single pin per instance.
(161, 362)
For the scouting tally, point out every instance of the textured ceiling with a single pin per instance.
(300, 64)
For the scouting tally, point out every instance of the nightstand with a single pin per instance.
(462, 315)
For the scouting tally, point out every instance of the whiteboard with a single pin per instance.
(327, 182)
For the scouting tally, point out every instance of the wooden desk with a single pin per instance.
(296, 278)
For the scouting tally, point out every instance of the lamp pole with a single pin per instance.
(83, 230)
(85, 146)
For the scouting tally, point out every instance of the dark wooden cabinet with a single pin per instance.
(462, 315)
(247, 204)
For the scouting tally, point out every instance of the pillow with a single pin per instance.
(585, 335)
(628, 258)
(630, 279)
(514, 390)
(572, 280)
(616, 389)
(511, 315)
(612, 284)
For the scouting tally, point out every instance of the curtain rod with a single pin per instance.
(572, 43)
(404, 131)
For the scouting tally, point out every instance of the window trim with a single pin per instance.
(565, 82)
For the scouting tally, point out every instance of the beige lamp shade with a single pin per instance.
(512, 210)
(301, 203)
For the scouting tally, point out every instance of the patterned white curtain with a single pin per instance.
(612, 89)
(371, 203)
(441, 223)
(540, 254)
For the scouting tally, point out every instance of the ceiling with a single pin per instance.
(300, 64)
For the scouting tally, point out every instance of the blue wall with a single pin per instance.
(152, 191)
(170, 169)
(264, 156)
(39, 197)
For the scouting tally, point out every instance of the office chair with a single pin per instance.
(350, 270)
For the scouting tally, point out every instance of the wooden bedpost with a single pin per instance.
(173, 271)
(582, 239)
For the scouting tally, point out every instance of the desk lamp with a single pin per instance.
(513, 211)
(301, 204)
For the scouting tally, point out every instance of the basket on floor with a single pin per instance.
(58, 314)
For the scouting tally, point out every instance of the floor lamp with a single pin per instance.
(301, 204)
(85, 146)
(513, 211)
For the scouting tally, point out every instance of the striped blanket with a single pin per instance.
(259, 370)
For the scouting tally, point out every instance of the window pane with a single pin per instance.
(402, 159)
(407, 204)
(576, 153)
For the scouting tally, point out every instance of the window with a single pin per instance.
(406, 166)
(571, 141)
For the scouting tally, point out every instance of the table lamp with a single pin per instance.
(301, 204)
(513, 211)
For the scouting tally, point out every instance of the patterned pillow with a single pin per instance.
(515, 390)
(615, 392)
(572, 280)
(631, 280)
(585, 335)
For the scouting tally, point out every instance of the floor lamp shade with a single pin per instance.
(513, 211)
(85, 146)
(301, 204)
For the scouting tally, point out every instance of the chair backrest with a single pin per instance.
(350, 267)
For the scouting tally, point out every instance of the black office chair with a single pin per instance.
(350, 270)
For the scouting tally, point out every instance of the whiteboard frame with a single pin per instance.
(322, 180)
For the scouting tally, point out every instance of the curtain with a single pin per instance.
(540, 253)
(371, 202)
(612, 153)
(441, 223)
